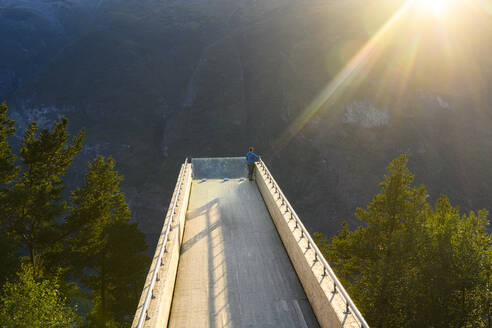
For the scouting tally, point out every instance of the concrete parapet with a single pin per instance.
(162, 293)
(329, 307)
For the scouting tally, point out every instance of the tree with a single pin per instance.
(106, 245)
(30, 303)
(8, 259)
(33, 205)
(456, 253)
(96, 244)
(8, 170)
(411, 264)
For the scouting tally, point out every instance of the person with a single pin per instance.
(251, 158)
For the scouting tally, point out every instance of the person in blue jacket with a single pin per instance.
(251, 158)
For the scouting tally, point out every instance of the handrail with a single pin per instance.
(311, 243)
(143, 313)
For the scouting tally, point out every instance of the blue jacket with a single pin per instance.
(252, 157)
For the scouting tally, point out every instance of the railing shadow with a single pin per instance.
(203, 210)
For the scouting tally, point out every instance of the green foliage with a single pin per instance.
(414, 265)
(8, 259)
(96, 244)
(29, 303)
(8, 170)
(33, 203)
(105, 244)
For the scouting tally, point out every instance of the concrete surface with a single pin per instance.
(329, 307)
(219, 167)
(160, 304)
(233, 270)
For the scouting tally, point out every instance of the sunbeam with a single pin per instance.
(350, 71)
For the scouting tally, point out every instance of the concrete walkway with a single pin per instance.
(233, 270)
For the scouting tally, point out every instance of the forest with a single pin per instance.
(412, 263)
(69, 258)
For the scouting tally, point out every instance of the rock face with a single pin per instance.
(155, 81)
(365, 115)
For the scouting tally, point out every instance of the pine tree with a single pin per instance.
(33, 205)
(414, 265)
(8, 170)
(106, 245)
(455, 254)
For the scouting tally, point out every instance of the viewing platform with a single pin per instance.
(233, 253)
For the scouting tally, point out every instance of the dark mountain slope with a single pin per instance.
(154, 82)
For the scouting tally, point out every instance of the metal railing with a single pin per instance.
(318, 256)
(144, 313)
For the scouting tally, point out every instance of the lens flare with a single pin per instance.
(367, 54)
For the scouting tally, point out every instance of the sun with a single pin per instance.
(436, 7)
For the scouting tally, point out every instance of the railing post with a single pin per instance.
(347, 310)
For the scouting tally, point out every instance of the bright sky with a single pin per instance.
(436, 7)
